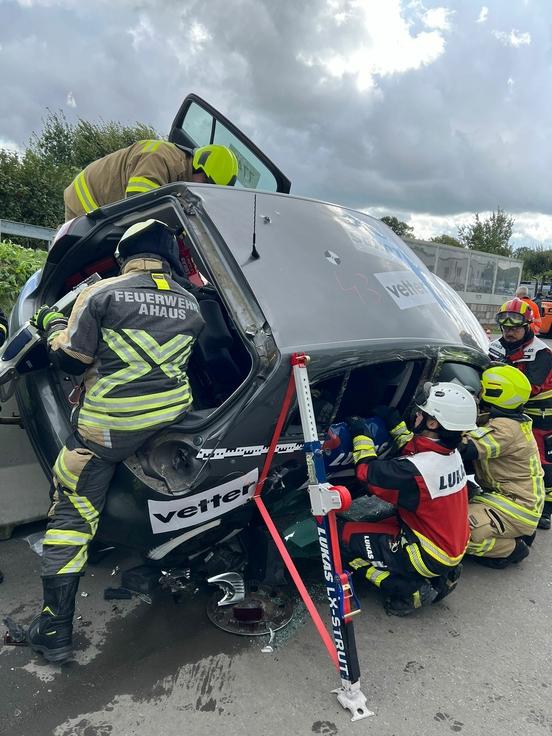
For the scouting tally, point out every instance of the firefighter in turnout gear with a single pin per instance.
(507, 467)
(520, 348)
(414, 558)
(145, 166)
(133, 335)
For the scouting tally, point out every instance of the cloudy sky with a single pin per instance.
(424, 109)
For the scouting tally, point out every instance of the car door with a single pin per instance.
(199, 124)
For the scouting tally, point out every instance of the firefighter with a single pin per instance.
(520, 348)
(414, 558)
(145, 166)
(133, 334)
(522, 292)
(503, 518)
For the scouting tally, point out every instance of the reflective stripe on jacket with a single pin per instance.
(427, 484)
(136, 332)
(508, 468)
(534, 359)
(136, 169)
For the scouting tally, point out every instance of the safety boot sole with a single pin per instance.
(60, 654)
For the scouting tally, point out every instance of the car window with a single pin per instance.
(199, 124)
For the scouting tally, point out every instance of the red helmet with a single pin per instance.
(514, 313)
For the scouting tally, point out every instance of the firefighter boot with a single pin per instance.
(445, 584)
(521, 550)
(544, 521)
(51, 632)
(396, 606)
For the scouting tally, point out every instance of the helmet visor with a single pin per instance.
(511, 319)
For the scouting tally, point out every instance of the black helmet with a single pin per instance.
(151, 237)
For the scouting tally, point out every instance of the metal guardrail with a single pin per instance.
(24, 230)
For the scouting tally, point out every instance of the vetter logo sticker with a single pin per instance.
(405, 288)
(167, 516)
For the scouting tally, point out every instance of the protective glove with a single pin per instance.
(3, 328)
(48, 318)
(356, 426)
(389, 414)
(395, 424)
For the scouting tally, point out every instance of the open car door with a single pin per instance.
(199, 124)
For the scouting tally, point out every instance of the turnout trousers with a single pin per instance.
(492, 532)
(82, 473)
(382, 553)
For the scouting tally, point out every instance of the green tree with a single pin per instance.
(446, 240)
(398, 226)
(32, 184)
(17, 265)
(491, 235)
(537, 262)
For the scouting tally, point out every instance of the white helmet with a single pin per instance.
(450, 404)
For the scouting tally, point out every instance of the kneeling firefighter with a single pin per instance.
(507, 466)
(134, 335)
(414, 557)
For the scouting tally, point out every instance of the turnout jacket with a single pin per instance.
(134, 335)
(534, 359)
(507, 465)
(136, 169)
(427, 484)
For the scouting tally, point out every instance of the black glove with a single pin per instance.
(389, 414)
(395, 424)
(356, 426)
(47, 318)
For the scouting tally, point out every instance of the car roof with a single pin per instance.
(326, 274)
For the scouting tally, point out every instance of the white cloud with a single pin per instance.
(199, 35)
(438, 18)
(70, 101)
(515, 38)
(386, 46)
(7, 145)
(141, 32)
(483, 14)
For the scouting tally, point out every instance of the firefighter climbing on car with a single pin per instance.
(143, 167)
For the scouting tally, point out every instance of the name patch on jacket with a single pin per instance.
(442, 474)
(167, 516)
(157, 304)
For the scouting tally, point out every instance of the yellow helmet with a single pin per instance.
(218, 163)
(505, 386)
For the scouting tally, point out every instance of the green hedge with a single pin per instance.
(17, 264)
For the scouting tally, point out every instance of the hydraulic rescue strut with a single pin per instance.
(325, 501)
